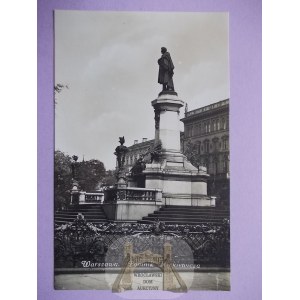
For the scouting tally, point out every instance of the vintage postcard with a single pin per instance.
(150, 111)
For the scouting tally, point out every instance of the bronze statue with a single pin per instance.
(166, 67)
(120, 152)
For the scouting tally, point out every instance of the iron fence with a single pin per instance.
(80, 241)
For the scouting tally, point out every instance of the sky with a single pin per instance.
(108, 60)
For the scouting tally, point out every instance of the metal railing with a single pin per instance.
(81, 241)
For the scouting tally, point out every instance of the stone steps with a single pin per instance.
(87, 217)
(188, 215)
(75, 213)
(198, 213)
(193, 208)
(178, 222)
(62, 222)
(92, 213)
(184, 216)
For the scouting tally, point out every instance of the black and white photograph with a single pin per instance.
(142, 151)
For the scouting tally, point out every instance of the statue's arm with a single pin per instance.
(164, 64)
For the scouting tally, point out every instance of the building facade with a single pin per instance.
(206, 131)
(136, 150)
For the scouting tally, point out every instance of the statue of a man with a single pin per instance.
(166, 67)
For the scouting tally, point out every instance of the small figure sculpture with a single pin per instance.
(166, 67)
(139, 166)
(120, 152)
(74, 166)
(186, 109)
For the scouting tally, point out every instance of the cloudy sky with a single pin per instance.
(109, 62)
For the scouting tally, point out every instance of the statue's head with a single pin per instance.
(163, 50)
(121, 140)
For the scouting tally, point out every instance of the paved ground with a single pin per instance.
(195, 281)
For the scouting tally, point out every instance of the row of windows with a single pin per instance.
(131, 159)
(206, 146)
(216, 165)
(212, 146)
(207, 127)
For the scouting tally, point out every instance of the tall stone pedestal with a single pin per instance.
(181, 183)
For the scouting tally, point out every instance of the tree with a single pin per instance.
(57, 89)
(191, 152)
(109, 179)
(62, 179)
(90, 174)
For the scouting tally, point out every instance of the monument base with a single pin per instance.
(129, 210)
(131, 204)
(181, 183)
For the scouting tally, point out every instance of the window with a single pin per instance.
(190, 131)
(225, 164)
(206, 163)
(215, 164)
(215, 142)
(223, 123)
(206, 146)
(225, 143)
(187, 131)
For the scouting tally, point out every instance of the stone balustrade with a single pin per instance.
(133, 194)
(136, 194)
(131, 203)
(96, 197)
(82, 197)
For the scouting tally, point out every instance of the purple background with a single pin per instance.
(245, 140)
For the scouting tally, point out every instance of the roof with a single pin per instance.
(141, 145)
(206, 109)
